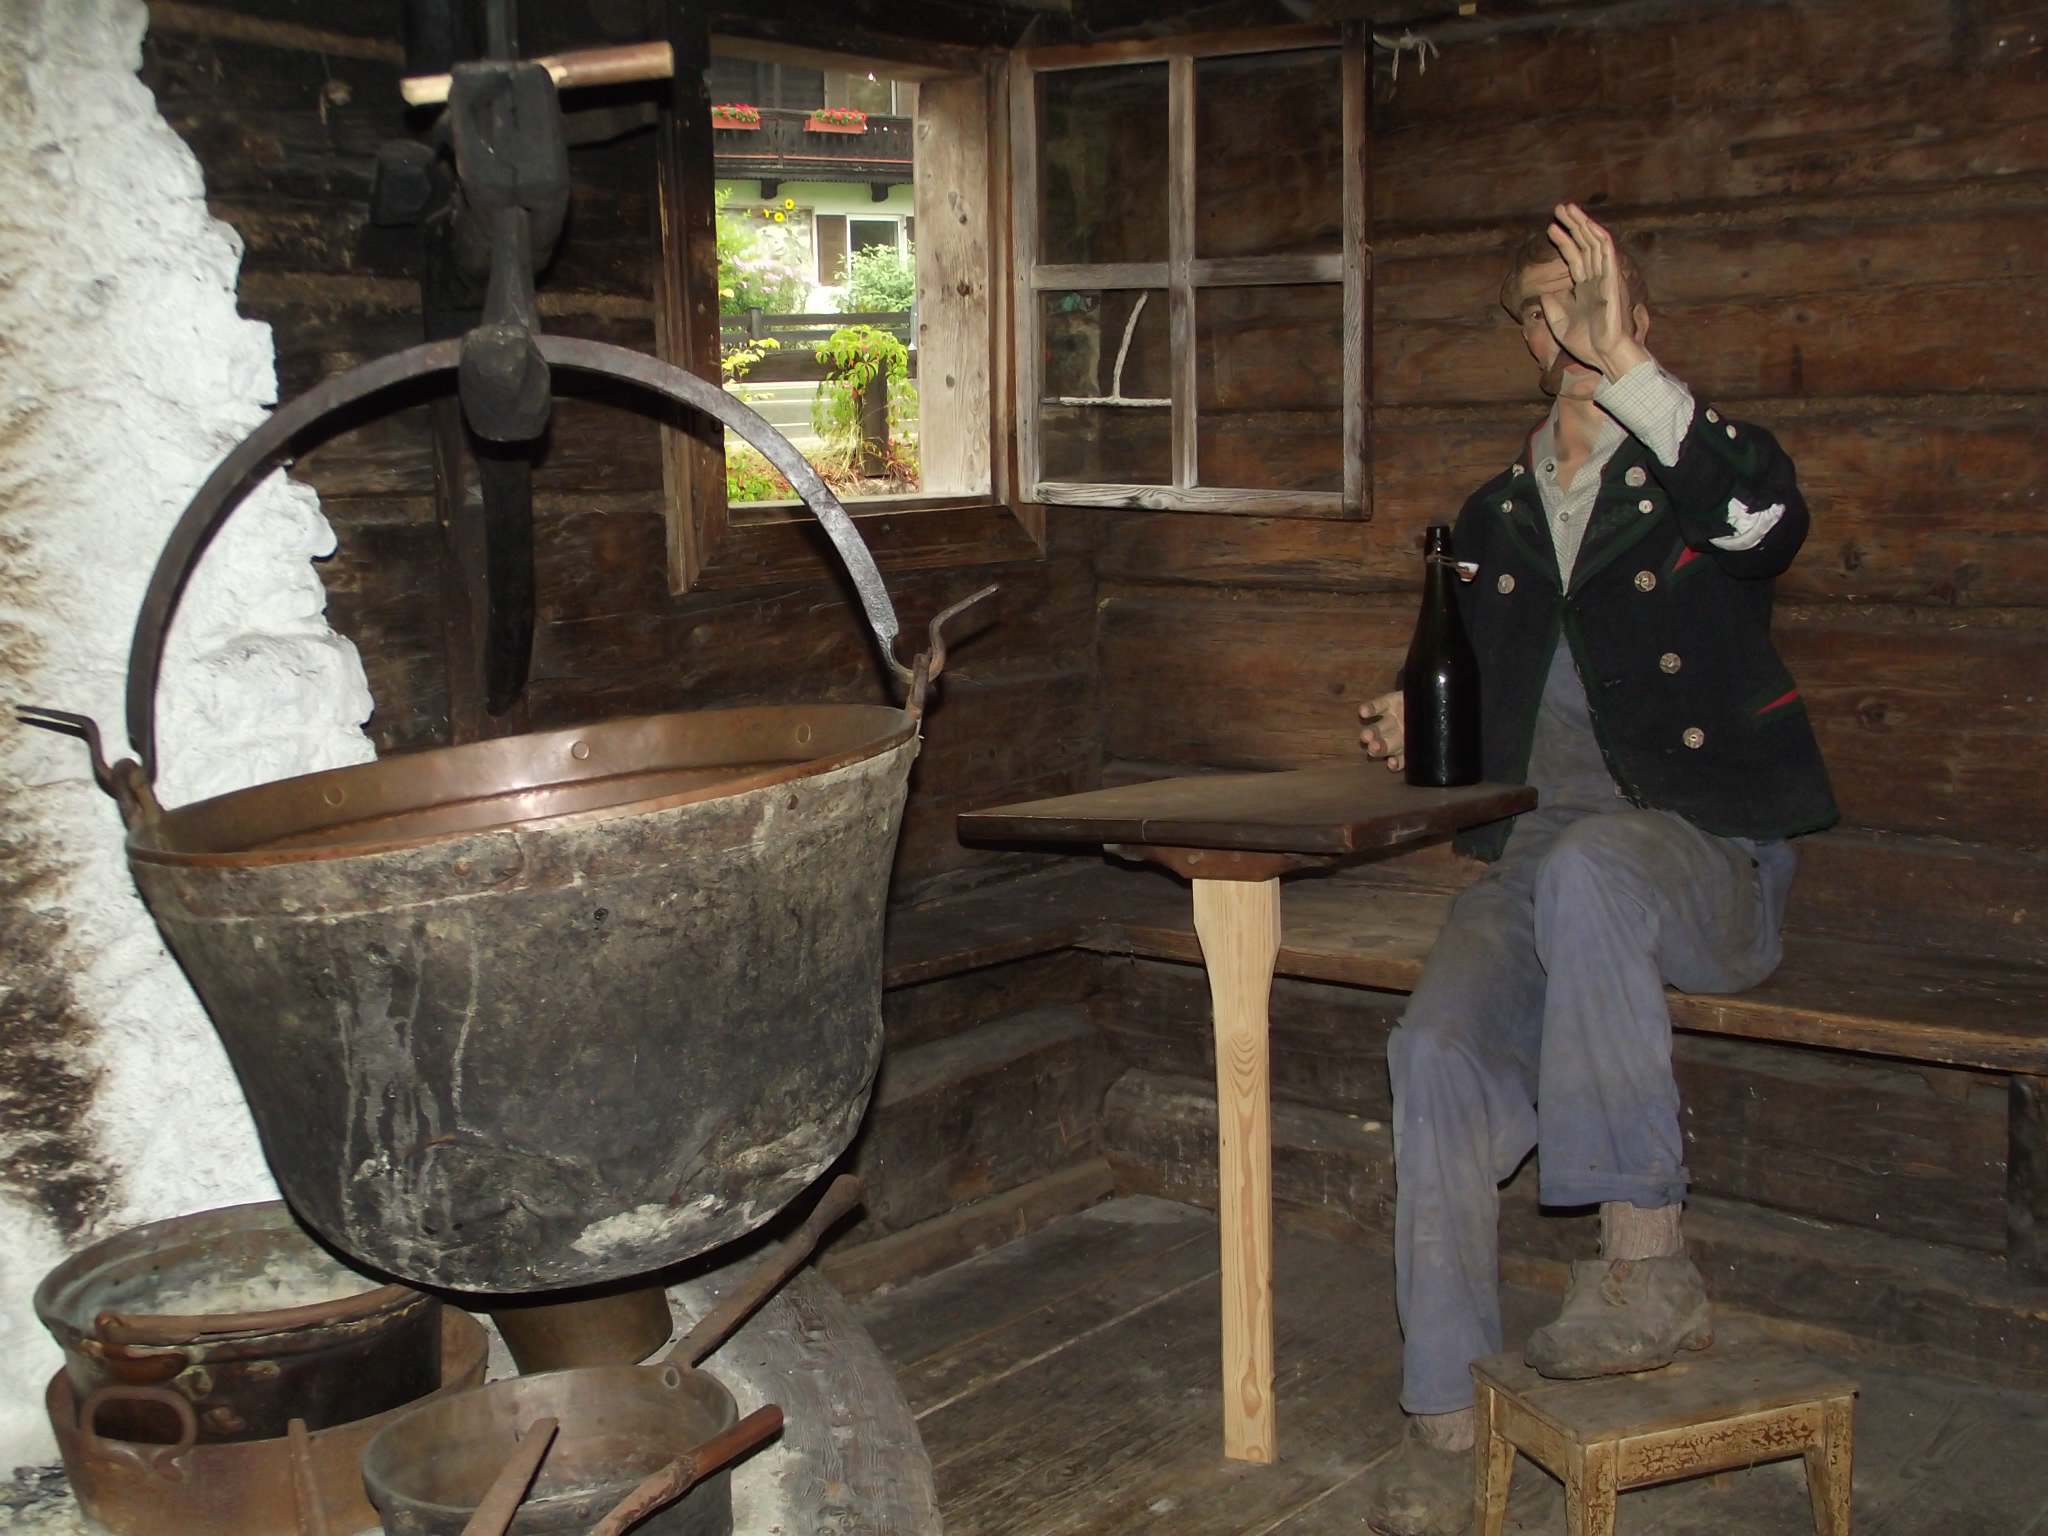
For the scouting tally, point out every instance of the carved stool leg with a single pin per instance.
(1828, 1467)
(1493, 1468)
(1589, 1491)
(1238, 922)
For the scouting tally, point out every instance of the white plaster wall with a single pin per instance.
(125, 374)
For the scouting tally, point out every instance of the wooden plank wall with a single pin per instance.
(286, 131)
(1840, 206)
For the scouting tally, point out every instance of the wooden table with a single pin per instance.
(1234, 836)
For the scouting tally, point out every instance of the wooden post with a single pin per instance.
(1238, 923)
(874, 425)
(2026, 1180)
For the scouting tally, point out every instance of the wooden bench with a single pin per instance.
(1373, 927)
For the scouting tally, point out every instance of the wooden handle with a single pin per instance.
(312, 1514)
(586, 66)
(502, 1499)
(767, 1276)
(685, 1472)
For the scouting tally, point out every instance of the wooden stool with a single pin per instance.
(1705, 1413)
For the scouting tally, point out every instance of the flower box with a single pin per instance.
(736, 116)
(837, 120)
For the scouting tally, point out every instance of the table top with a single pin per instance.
(1333, 809)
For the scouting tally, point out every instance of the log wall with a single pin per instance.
(1839, 206)
(286, 131)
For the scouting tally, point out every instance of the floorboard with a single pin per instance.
(1068, 1382)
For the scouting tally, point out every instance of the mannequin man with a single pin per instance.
(1621, 615)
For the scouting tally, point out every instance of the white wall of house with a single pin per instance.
(129, 374)
(815, 197)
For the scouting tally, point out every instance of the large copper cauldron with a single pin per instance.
(552, 1009)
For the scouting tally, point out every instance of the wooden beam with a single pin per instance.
(1068, 276)
(2026, 1180)
(1357, 277)
(953, 281)
(1196, 45)
(966, 1230)
(1180, 255)
(1170, 498)
(1024, 252)
(233, 27)
(465, 593)
(686, 306)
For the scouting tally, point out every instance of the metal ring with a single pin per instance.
(217, 499)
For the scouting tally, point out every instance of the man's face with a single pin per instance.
(1562, 374)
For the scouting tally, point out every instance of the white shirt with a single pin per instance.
(1645, 401)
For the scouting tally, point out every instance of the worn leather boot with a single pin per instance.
(1420, 1490)
(1624, 1315)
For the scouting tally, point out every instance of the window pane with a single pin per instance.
(1269, 148)
(797, 87)
(1270, 387)
(868, 94)
(1103, 412)
(735, 80)
(1102, 164)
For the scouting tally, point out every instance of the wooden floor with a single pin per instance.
(1068, 1382)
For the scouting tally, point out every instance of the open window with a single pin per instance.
(839, 161)
(1191, 280)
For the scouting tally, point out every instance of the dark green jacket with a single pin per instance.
(1694, 711)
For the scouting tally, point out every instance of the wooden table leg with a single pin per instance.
(1238, 922)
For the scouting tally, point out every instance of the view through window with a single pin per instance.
(817, 274)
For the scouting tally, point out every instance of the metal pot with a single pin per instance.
(549, 1010)
(554, 1009)
(124, 1313)
(242, 1489)
(620, 1423)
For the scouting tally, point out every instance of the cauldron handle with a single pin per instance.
(159, 1460)
(262, 449)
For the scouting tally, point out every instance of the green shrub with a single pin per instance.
(879, 281)
(857, 354)
(749, 477)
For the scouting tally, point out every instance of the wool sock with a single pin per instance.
(1446, 1431)
(1639, 1232)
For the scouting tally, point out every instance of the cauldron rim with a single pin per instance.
(517, 768)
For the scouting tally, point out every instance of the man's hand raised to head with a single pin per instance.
(1596, 321)
(1385, 733)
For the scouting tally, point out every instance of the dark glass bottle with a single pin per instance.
(1440, 687)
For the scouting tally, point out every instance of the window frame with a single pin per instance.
(1182, 275)
(707, 545)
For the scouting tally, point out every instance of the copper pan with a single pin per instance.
(240, 1489)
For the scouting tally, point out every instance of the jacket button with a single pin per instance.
(1505, 585)
(1507, 506)
(1646, 581)
(1646, 505)
(1636, 476)
(1729, 430)
(1694, 737)
(1712, 414)
(1669, 662)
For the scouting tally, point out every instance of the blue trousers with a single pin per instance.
(1540, 1022)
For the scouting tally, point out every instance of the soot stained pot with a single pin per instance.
(550, 1010)
(554, 1009)
(177, 1304)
